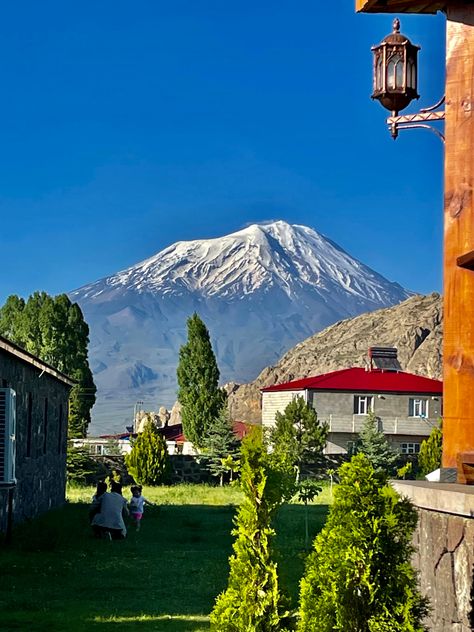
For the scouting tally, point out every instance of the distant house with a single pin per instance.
(34, 397)
(407, 406)
(173, 434)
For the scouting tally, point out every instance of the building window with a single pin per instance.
(410, 448)
(60, 428)
(29, 422)
(363, 404)
(418, 407)
(45, 426)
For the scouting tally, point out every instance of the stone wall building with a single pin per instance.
(41, 399)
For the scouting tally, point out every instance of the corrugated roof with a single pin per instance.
(358, 379)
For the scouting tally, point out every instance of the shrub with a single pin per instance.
(252, 601)
(148, 462)
(431, 450)
(359, 576)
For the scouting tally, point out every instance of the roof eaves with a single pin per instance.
(26, 356)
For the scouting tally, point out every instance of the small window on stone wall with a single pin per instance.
(29, 423)
(45, 425)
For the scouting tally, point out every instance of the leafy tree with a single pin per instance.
(298, 438)
(431, 451)
(373, 443)
(148, 462)
(218, 444)
(198, 376)
(359, 576)
(252, 600)
(11, 316)
(54, 330)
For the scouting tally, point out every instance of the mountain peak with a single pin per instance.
(260, 290)
(288, 257)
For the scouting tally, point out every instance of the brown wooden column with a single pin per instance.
(458, 351)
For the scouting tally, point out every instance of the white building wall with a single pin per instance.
(274, 402)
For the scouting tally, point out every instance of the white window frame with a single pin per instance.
(410, 448)
(418, 407)
(365, 404)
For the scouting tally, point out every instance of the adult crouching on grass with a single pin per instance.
(108, 522)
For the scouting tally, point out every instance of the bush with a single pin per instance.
(148, 462)
(359, 577)
(431, 451)
(252, 601)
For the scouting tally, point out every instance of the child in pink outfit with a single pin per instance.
(136, 505)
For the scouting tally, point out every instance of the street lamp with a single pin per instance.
(396, 82)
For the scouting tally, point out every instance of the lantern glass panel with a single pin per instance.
(379, 75)
(395, 72)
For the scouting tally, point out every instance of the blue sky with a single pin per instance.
(126, 126)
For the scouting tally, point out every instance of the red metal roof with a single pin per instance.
(358, 379)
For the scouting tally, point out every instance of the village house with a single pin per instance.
(33, 434)
(406, 406)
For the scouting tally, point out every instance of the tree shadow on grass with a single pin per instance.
(163, 623)
(177, 564)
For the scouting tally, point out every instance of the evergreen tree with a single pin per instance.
(373, 443)
(252, 601)
(431, 451)
(298, 438)
(218, 443)
(148, 462)
(54, 330)
(198, 376)
(359, 576)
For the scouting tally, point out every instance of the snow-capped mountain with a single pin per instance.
(259, 291)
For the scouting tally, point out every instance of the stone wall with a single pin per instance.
(444, 550)
(41, 438)
(445, 555)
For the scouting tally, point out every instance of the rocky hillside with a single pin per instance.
(414, 327)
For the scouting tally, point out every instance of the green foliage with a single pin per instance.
(148, 462)
(218, 444)
(298, 438)
(373, 443)
(198, 376)
(252, 601)
(79, 465)
(54, 330)
(359, 576)
(431, 450)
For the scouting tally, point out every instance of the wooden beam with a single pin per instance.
(458, 345)
(400, 6)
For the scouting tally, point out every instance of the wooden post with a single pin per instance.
(458, 345)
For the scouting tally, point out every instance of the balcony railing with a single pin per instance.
(395, 425)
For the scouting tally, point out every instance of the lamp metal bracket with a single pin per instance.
(418, 120)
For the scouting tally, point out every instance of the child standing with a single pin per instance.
(136, 504)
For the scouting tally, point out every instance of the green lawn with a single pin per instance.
(55, 576)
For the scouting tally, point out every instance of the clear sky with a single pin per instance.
(126, 126)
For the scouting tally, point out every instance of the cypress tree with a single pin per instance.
(431, 451)
(298, 438)
(252, 600)
(148, 462)
(198, 376)
(359, 576)
(373, 443)
(218, 443)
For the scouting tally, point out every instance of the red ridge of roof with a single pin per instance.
(358, 379)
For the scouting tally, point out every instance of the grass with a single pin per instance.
(56, 577)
